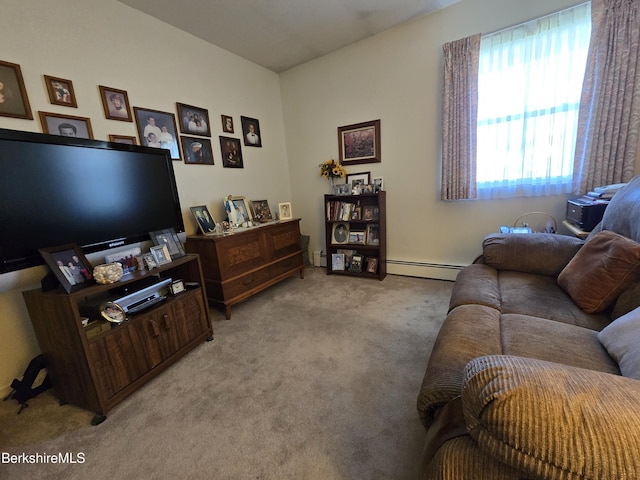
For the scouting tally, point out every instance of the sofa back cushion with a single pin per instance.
(621, 339)
(623, 212)
(606, 265)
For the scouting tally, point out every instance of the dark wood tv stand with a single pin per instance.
(98, 371)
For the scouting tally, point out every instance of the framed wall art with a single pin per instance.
(129, 140)
(69, 265)
(227, 123)
(231, 152)
(13, 94)
(251, 132)
(197, 150)
(66, 125)
(359, 143)
(158, 130)
(193, 120)
(60, 91)
(115, 104)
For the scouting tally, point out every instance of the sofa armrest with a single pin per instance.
(553, 421)
(541, 253)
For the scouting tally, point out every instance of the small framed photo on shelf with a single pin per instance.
(373, 234)
(205, 221)
(69, 266)
(168, 237)
(126, 258)
(347, 256)
(238, 210)
(356, 237)
(60, 91)
(356, 213)
(340, 233)
(261, 210)
(372, 265)
(115, 104)
(357, 261)
(378, 184)
(337, 261)
(160, 254)
(357, 181)
(284, 211)
(370, 212)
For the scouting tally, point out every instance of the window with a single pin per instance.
(529, 85)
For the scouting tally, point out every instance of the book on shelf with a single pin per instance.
(340, 210)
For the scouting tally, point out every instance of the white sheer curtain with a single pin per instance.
(530, 79)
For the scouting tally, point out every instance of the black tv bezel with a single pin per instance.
(12, 265)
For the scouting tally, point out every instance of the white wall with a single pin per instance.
(103, 42)
(396, 76)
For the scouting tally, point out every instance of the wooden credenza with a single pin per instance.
(241, 264)
(98, 371)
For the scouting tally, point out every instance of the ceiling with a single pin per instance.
(280, 34)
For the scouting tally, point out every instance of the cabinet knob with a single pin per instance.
(167, 322)
(154, 328)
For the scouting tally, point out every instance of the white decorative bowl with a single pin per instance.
(108, 273)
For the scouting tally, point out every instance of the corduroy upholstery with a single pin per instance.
(541, 396)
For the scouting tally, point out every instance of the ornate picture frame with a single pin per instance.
(284, 211)
(115, 103)
(14, 101)
(359, 143)
(60, 91)
(65, 125)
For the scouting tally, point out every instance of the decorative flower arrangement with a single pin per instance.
(331, 169)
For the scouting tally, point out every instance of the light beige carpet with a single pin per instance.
(311, 379)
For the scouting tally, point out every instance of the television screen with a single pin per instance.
(56, 190)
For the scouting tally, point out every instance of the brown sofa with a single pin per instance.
(535, 370)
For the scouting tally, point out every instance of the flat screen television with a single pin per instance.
(99, 195)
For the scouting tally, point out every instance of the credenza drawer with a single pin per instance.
(285, 266)
(244, 284)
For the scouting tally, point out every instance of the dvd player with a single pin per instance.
(133, 298)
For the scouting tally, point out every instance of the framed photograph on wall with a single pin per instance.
(13, 94)
(157, 129)
(227, 123)
(69, 265)
(193, 120)
(123, 139)
(231, 152)
(65, 125)
(60, 91)
(251, 132)
(115, 104)
(359, 143)
(197, 150)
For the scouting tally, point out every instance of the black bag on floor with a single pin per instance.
(29, 387)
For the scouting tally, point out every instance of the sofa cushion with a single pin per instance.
(601, 270)
(622, 340)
